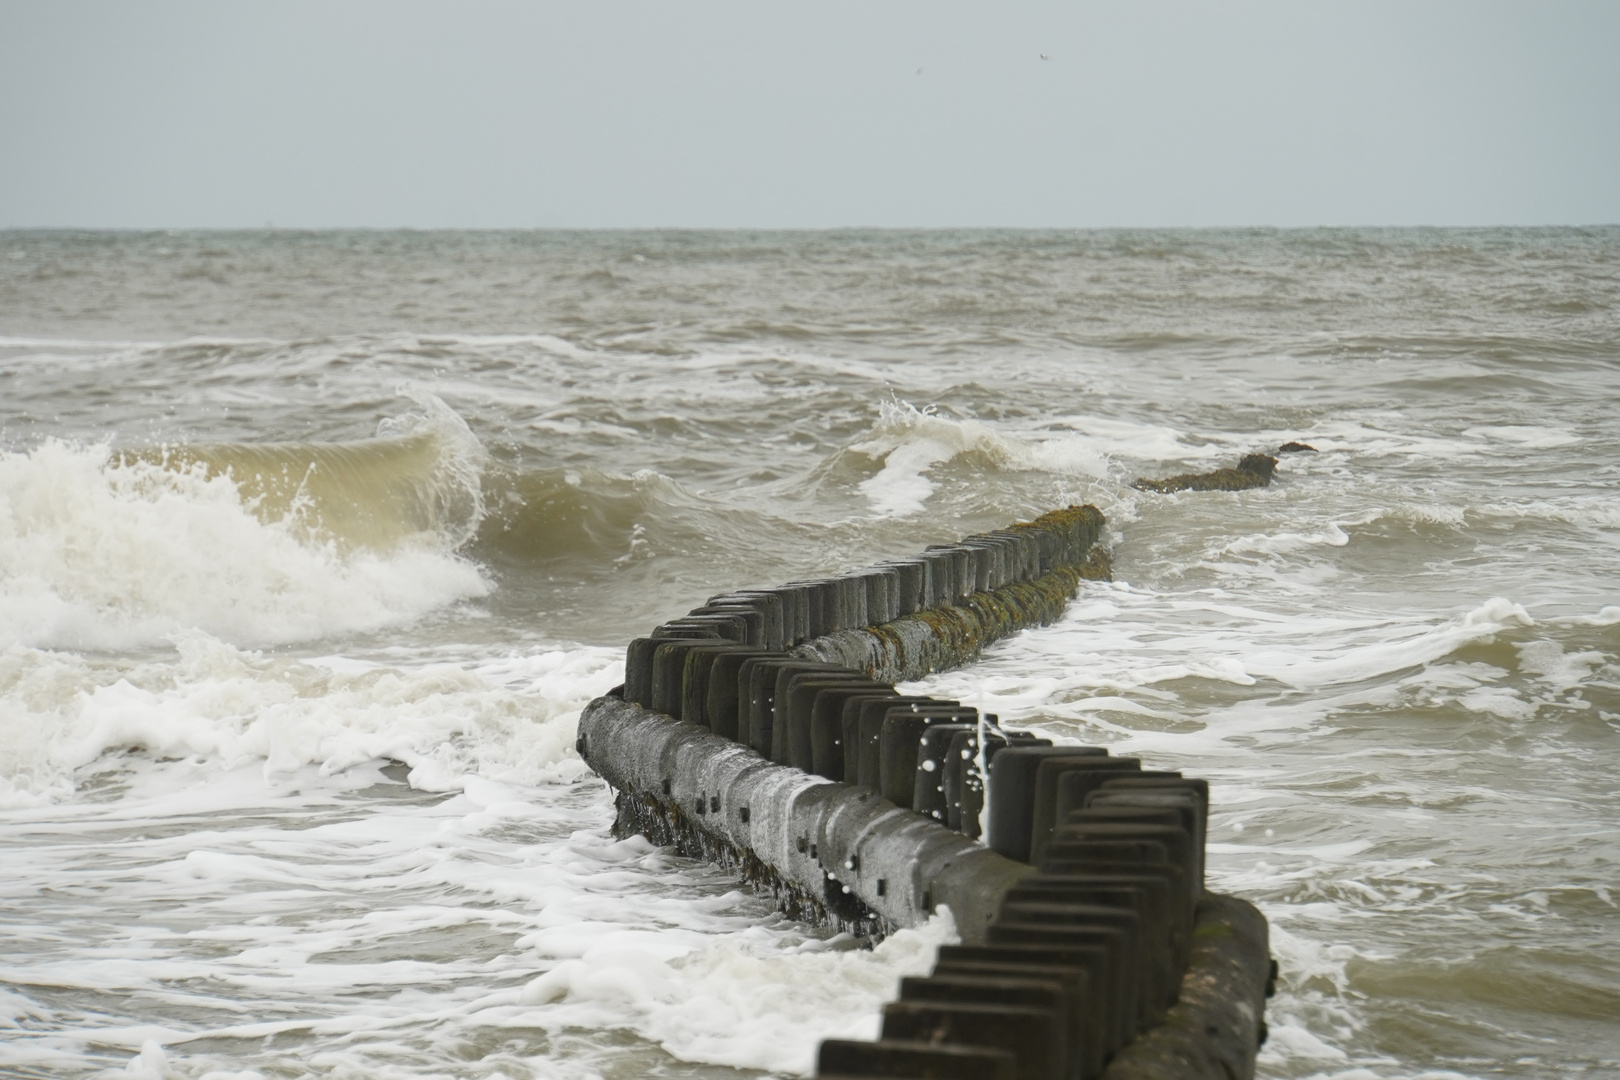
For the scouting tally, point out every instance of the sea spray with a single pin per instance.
(97, 554)
(64, 722)
(911, 441)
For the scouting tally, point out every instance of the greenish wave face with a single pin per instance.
(375, 493)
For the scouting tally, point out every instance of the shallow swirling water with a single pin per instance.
(312, 546)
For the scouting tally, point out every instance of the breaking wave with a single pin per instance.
(255, 544)
(911, 441)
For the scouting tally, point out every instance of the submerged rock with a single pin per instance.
(1253, 470)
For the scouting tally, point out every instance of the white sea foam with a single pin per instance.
(911, 441)
(1139, 441)
(1365, 434)
(381, 936)
(1590, 511)
(1349, 660)
(1524, 435)
(1608, 616)
(102, 555)
(1119, 671)
(223, 708)
(1329, 535)
(746, 1002)
(11, 342)
(1558, 669)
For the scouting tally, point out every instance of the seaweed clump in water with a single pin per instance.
(1253, 470)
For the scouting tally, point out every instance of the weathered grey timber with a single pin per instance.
(947, 637)
(739, 724)
(1216, 1026)
(830, 853)
(804, 840)
(1254, 470)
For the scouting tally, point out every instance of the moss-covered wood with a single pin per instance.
(1253, 470)
(946, 637)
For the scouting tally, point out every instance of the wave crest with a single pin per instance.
(418, 482)
(257, 545)
(214, 707)
(911, 441)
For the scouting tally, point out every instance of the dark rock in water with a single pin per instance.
(1254, 470)
(1262, 465)
(1295, 448)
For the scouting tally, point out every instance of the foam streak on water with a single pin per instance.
(312, 546)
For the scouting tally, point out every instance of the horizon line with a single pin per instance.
(272, 228)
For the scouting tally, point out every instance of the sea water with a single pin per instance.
(313, 546)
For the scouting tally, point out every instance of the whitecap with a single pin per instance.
(105, 555)
(911, 441)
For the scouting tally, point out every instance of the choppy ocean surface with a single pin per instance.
(312, 546)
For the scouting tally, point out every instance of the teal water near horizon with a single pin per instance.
(313, 544)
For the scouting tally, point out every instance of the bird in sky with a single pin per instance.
(919, 71)
(1045, 57)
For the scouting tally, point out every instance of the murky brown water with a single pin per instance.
(1397, 665)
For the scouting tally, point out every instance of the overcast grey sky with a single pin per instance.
(137, 113)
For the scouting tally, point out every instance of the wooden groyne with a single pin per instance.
(763, 731)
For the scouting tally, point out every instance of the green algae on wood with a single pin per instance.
(1254, 470)
(949, 636)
